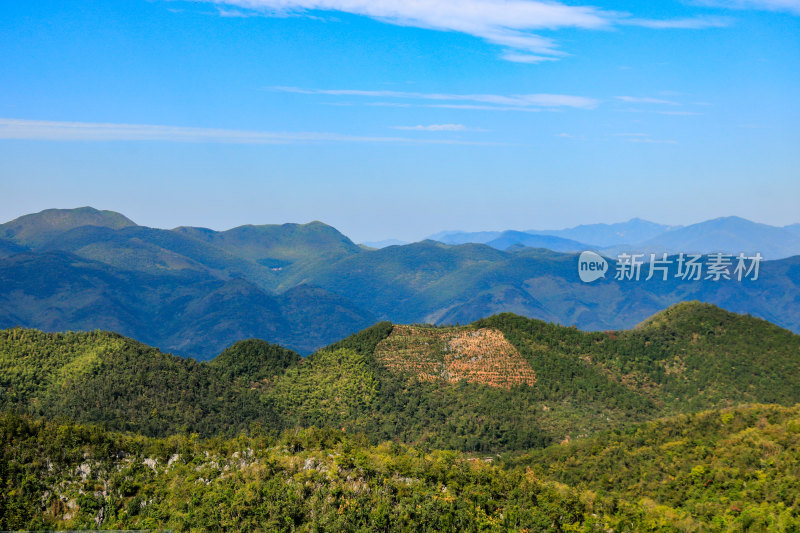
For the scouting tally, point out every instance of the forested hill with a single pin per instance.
(502, 383)
(723, 470)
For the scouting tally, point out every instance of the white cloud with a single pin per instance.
(641, 100)
(42, 130)
(517, 100)
(434, 127)
(516, 57)
(473, 107)
(693, 23)
(508, 23)
(791, 6)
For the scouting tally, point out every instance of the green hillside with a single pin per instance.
(736, 469)
(504, 383)
(107, 379)
(729, 470)
(253, 360)
(690, 356)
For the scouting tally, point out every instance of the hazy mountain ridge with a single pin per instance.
(194, 291)
(189, 312)
(37, 228)
(604, 235)
(731, 235)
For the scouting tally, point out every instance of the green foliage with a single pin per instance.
(329, 388)
(253, 360)
(365, 341)
(735, 469)
(107, 379)
(79, 477)
(730, 470)
(692, 356)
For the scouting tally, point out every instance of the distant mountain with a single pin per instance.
(194, 291)
(603, 235)
(155, 251)
(384, 243)
(584, 237)
(464, 237)
(8, 248)
(284, 254)
(517, 239)
(186, 311)
(731, 235)
(36, 229)
(434, 282)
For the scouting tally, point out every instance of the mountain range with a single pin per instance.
(732, 235)
(194, 291)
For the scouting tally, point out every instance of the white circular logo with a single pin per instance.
(591, 266)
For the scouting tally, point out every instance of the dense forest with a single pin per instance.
(454, 388)
(729, 470)
(506, 423)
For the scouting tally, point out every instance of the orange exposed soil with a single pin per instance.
(474, 355)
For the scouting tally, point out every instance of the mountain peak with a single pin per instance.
(695, 317)
(37, 228)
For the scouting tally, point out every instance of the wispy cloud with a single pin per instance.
(517, 100)
(570, 136)
(693, 23)
(508, 23)
(790, 6)
(517, 57)
(435, 127)
(644, 138)
(645, 100)
(95, 132)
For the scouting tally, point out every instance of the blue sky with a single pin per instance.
(390, 118)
